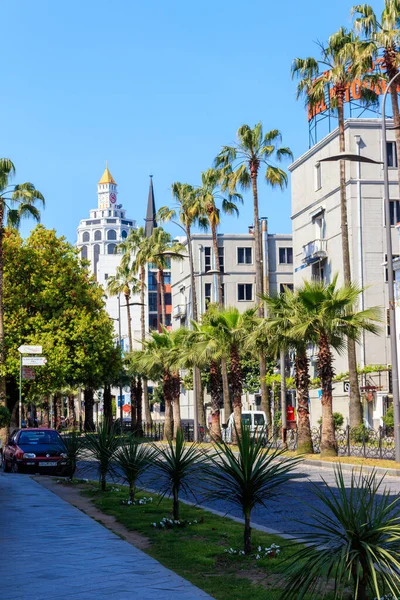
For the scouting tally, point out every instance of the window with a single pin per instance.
(167, 278)
(86, 236)
(96, 254)
(245, 292)
(153, 284)
(153, 322)
(318, 177)
(386, 269)
(124, 234)
(168, 321)
(286, 256)
(223, 294)
(97, 235)
(111, 248)
(167, 297)
(111, 234)
(391, 152)
(284, 286)
(259, 420)
(207, 293)
(394, 212)
(245, 256)
(207, 258)
(388, 322)
(221, 258)
(153, 303)
(105, 276)
(84, 252)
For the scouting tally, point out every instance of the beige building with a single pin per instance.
(317, 250)
(236, 254)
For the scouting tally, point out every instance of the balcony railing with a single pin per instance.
(180, 311)
(314, 250)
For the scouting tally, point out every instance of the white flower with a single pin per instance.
(154, 524)
(241, 552)
(258, 556)
(259, 548)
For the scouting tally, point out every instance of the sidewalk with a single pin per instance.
(52, 550)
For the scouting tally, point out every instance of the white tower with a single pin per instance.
(107, 190)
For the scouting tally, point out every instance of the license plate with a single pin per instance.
(47, 464)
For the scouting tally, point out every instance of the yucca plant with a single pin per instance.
(175, 463)
(354, 540)
(73, 443)
(249, 477)
(103, 445)
(132, 460)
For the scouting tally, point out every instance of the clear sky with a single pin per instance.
(154, 87)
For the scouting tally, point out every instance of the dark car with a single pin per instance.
(36, 450)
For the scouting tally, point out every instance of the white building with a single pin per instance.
(317, 245)
(236, 256)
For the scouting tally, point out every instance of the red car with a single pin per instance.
(36, 450)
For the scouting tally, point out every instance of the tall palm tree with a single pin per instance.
(162, 250)
(327, 317)
(136, 253)
(242, 163)
(190, 213)
(344, 59)
(383, 36)
(16, 202)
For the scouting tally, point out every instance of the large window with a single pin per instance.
(207, 293)
(245, 292)
(153, 322)
(286, 256)
(153, 303)
(111, 248)
(207, 258)
(124, 234)
(245, 256)
(84, 252)
(153, 284)
(285, 286)
(221, 258)
(111, 234)
(167, 297)
(167, 278)
(394, 212)
(391, 151)
(386, 268)
(97, 235)
(86, 236)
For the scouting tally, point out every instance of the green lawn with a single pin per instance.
(197, 552)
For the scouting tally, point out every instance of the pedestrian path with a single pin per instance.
(52, 550)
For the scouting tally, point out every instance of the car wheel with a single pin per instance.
(14, 467)
(6, 467)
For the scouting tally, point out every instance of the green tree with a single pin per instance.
(327, 317)
(343, 59)
(242, 164)
(124, 282)
(16, 202)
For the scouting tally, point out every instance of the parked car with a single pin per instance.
(36, 450)
(255, 419)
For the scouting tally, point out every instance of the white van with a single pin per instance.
(255, 419)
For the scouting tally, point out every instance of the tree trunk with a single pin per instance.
(215, 390)
(133, 390)
(107, 405)
(57, 410)
(265, 399)
(225, 390)
(247, 534)
(355, 409)
(162, 293)
(128, 315)
(236, 381)
(146, 404)
(304, 439)
(167, 389)
(3, 396)
(175, 511)
(176, 382)
(46, 413)
(132, 491)
(71, 410)
(328, 440)
(89, 403)
(139, 419)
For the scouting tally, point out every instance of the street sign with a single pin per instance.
(28, 373)
(346, 387)
(34, 361)
(30, 349)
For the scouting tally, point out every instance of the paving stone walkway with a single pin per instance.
(51, 550)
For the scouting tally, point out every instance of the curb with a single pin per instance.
(350, 467)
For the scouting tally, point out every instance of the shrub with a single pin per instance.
(103, 446)
(5, 416)
(388, 419)
(132, 460)
(360, 434)
(338, 420)
(74, 446)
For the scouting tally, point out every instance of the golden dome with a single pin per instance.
(107, 177)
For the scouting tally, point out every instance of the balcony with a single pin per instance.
(180, 311)
(313, 251)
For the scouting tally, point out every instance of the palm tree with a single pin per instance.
(383, 37)
(103, 445)
(344, 59)
(136, 253)
(242, 163)
(190, 213)
(132, 460)
(326, 317)
(354, 538)
(124, 282)
(284, 312)
(16, 202)
(162, 250)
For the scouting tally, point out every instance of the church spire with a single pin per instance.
(107, 177)
(150, 219)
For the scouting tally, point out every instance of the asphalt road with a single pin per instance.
(289, 512)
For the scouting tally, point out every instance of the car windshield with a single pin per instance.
(38, 437)
(259, 420)
(246, 419)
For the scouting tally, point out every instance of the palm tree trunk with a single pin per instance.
(3, 397)
(89, 403)
(57, 410)
(304, 439)
(146, 405)
(132, 491)
(71, 410)
(215, 390)
(167, 390)
(162, 293)
(247, 534)
(107, 403)
(176, 383)
(46, 411)
(128, 315)
(325, 369)
(133, 403)
(175, 511)
(139, 419)
(355, 410)
(265, 399)
(236, 381)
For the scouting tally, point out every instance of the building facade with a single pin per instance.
(317, 244)
(236, 256)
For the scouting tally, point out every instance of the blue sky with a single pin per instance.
(154, 87)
